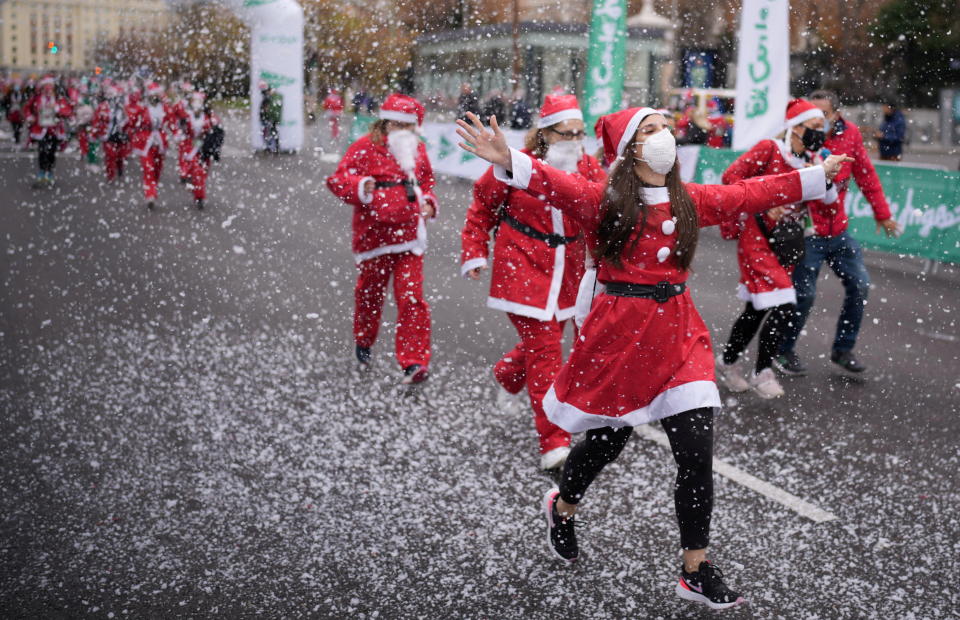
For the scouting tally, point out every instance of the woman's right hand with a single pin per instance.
(474, 274)
(489, 145)
(831, 165)
(369, 186)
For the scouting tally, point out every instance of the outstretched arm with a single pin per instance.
(572, 194)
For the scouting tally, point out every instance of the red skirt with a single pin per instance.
(636, 361)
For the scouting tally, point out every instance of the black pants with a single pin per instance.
(691, 439)
(17, 128)
(772, 334)
(47, 153)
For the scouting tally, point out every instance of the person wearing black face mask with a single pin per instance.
(831, 243)
(769, 246)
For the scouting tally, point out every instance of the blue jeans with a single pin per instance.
(845, 257)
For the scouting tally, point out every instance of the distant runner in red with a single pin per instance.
(538, 260)
(45, 113)
(198, 127)
(387, 178)
(332, 111)
(151, 123)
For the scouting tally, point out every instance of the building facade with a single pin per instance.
(62, 35)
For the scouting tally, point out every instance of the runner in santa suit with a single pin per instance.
(15, 102)
(111, 124)
(181, 110)
(46, 113)
(644, 352)
(387, 178)
(538, 260)
(333, 109)
(150, 123)
(199, 122)
(765, 284)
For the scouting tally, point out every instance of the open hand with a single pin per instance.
(488, 145)
(890, 227)
(831, 165)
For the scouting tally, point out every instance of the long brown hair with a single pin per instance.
(624, 206)
(535, 143)
(378, 131)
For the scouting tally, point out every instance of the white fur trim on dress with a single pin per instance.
(416, 246)
(813, 180)
(522, 167)
(400, 117)
(364, 197)
(472, 264)
(559, 117)
(655, 195)
(767, 299)
(586, 293)
(831, 196)
(692, 395)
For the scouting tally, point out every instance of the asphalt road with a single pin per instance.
(184, 434)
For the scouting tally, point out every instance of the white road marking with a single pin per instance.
(794, 503)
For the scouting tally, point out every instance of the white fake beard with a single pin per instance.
(564, 155)
(403, 146)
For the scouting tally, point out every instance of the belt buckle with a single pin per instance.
(554, 240)
(662, 291)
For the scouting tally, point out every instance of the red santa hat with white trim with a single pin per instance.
(800, 110)
(46, 80)
(154, 90)
(618, 130)
(403, 109)
(558, 108)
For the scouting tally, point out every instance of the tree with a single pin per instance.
(920, 43)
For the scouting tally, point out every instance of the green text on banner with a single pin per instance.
(606, 58)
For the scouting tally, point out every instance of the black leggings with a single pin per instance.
(47, 153)
(746, 326)
(691, 439)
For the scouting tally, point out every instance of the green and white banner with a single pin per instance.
(276, 57)
(606, 59)
(763, 71)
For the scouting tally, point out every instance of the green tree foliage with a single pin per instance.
(203, 43)
(920, 42)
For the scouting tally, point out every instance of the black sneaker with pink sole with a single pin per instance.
(561, 537)
(706, 586)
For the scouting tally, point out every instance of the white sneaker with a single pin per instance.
(554, 459)
(510, 404)
(732, 375)
(766, 385)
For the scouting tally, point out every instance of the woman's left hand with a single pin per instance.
(489, 145)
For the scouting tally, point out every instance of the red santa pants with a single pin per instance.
(152, 164)
(334, 121)
(183, 163)
(413, 313)
(197, 170)
(114, 154)
(542, 357)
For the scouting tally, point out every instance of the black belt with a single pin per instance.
(553, 239)
(659, 292)
(411, 193)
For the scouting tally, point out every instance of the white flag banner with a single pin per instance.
(763, 72)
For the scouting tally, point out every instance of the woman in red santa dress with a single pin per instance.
(538, 260)
(197, 124)
(766, 281)
(387, 178)
(46, 113)
(644, 353)
(150, 124)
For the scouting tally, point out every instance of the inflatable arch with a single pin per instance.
(276, 57)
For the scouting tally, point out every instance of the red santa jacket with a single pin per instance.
(764, 282)
(149, 126)
(46, 115)
(845, 139)
(333, 103)
(529, 277)
(386, 221)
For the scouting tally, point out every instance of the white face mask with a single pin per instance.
(403, 144)
(660, 151)
(565, 155)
